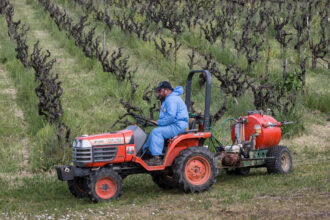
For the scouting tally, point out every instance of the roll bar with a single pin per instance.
(207, 95)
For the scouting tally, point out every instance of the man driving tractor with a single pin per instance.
(102, 161)
(173, 120)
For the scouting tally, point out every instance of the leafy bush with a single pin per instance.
(297, 116)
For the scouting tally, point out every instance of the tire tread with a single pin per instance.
(76, 189)
(179, 166)
(103, 172)
(274, 164)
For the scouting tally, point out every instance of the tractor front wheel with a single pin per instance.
(280, 161)
(78, 187)
(104, 185)
(195, 169)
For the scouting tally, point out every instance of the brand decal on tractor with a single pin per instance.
(130, 150)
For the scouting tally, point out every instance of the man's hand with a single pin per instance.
(155, 122)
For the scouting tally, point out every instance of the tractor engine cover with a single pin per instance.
(269, 134)
(100, 149)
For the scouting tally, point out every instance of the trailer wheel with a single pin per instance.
(78, 187)
(105, 185)
(195, 169)
(164, 181)
(281, 161)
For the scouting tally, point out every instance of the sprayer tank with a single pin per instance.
(264, 125)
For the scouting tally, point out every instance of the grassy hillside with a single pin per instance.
(91, 104)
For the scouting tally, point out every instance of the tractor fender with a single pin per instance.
(174, 148)
(182, 142)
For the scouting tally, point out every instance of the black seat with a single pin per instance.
(165, 149)
(192, 124)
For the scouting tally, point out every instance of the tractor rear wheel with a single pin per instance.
(104, 185)
(281, 161)
(164, 180)
(78, 187)
(195, 169)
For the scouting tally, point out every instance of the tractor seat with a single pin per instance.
(192, 123)
(140, 137)
(166, 142)
(165, 149)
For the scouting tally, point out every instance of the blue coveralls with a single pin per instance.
(173, 120)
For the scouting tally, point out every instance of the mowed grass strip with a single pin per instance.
(14, 136)
(303, 193)
(43, 194)
(13, 140)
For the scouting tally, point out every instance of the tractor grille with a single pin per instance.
(82, 155)
(96, 154)
(101, 154)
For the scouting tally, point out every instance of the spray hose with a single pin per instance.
(212, 129)
(223, 129)
(223, 134)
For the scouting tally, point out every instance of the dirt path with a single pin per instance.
(298, 206)
(13, 117)
(315, 141)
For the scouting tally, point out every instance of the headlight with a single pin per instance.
(81, 143)
(85, 143)
(75, 143)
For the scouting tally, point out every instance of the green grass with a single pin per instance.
(318, 101)
(18, 109)
(43, 193)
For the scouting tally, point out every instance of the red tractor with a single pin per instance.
(102, 161)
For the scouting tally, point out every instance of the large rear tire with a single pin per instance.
(78, 187)
(105, 185)
(281, 161)
(165, 180)
(195, 169)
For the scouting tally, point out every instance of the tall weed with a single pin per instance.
(49, 150)
(319, 101)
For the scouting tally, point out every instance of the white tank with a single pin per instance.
(233, 149)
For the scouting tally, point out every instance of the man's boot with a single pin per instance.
(154, 161)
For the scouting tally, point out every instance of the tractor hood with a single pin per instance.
(116, 138)
(100, 149)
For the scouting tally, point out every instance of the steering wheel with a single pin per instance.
(144, 122)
